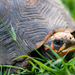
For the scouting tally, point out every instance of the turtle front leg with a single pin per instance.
(23, 63)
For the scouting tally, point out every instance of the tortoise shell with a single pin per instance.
(32, 21)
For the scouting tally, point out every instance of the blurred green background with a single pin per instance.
(70, 6)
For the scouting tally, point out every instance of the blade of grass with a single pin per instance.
(6, 27)
(1, 71)
(56, 55)
(57, 61)
(21, 47)
(53, 65)
(33, 68)
(72, 67)
(20, 57)
(41, 69)
(5, 71)
(39, 59)
(13, 35)
(70, 62)
(11, 67)
(44, 66)
(68, 72)
(41, 55)
(9, 72)
(50, 56)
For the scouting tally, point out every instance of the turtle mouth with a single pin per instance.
(69, 51)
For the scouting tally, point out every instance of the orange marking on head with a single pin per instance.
(52, 46)
(46, 48)
(55, 50)
(61, 48)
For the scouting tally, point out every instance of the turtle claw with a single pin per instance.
(24, 64)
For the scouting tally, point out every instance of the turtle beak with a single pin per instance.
(68, 47)
(68, 50)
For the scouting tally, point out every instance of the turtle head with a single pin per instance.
(60, 42)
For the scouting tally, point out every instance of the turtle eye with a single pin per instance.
(58, 42)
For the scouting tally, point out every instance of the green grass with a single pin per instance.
(70, 6)
(44, 66)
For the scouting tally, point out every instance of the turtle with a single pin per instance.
(35, 22)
